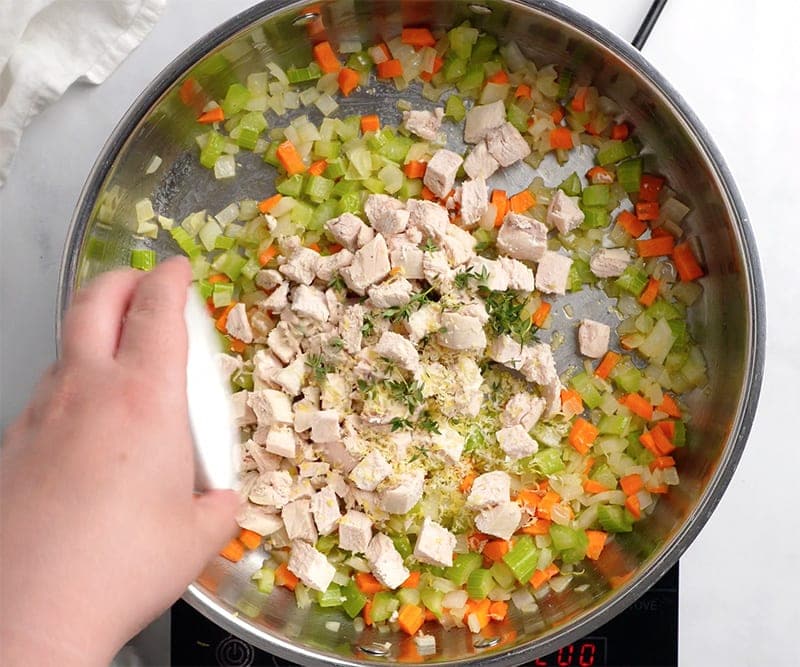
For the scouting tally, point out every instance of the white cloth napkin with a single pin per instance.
(47, 45)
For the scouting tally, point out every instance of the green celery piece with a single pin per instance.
(374, 185)
(326, 543)
(661, 308)
(325, 211)
(266, 580)
(350, 128)
(335, 169)
(549, 460)
(636, 450)
(571, 542)
(318, 188)
(595, 216)
(384, 604)
(360, 61)
(332, 597)
(231, 264)
(479, 583)
(614, 424)
(517, 117)
(571, 185)
(354, 599)
(301, 213)
(634, 279)
(212, 151)
(680, 434)
(292, 186)
(463, 566)
(522, 559)
(605, 476)
(612, 151)
(271, 154)
(462, 38)
(454, 68)
(223, 242)
(411, 188)
(583, 384)
(680, 332)
(408, 596)
(235, 99)
(244, 380)
(222, 294)
(579, 275)
(185, 242)
(596, 195)
(628, 380)
(247, 139)
(254, 120)
(564, 82)
(454, 108)
(250, 269)
(205, 288)
(143, 259)
(629, 174)
(484, 49)
(472, 79)
(502, 574)
(403, 545)
(350, 203)
(614, 519)
(396, 149)
(327, 150)
(346, 187)
(432, 599)
(304, 74)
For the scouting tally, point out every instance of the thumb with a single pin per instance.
(215, 521)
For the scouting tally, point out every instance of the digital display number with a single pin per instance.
(585, 653)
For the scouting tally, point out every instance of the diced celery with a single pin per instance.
(408, 596)
(350, 203)
(463, 566)
(266, 580)
(354, 599)
(222, 294)
(472, 79)
(324, 212)
(224, 242)
(235, 99)
(327, 150)
(484, 238)
(564, 82)
(454, 108)
(502, 574)
(250, 269)
(212, 151)
(629, 175)
(583, 384)
(346, 187)
(360, 61)
(396, 148)
(208, 234)
(484, 49)
(634, 279)
(318, 188)
(301, 213)
(522, 559)
(377, 140)
(349, 128)
(549, 460)
(292, 186)
(612, 151)
(595, 216)
(579, 275)
(335, 169)
(462, 38)
(143, 259)
(658, 342)
(571, 185)
(384, 604)
(479, 583)
(231, 264)
(326, 543)
(185, 242)
(570, 542)
(628, 380)
(596, 195)
(614, 519)
(303, 74)
(403, 545)
(679, 440)
(332, 597)
(374, 185)
(432, 599)
(661, 308)
(454, 68)
(205, 288)
(614, 424)
(411, 188)
(605, 476)
(518, 117)
(271, 154)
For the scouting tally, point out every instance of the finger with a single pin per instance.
(93, 321)
(215, 522)
(154, 332)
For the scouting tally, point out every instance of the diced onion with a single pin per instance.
(455, 599)
(326, 104)
(153, 165)
(144, 210)
(349, 46)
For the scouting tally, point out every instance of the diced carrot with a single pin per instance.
(286, 578)
(222, 320)
(561, 137)
(410, 618)
(631, 484)
(579, 100)
(597, 540)
(498, 610)
(546, 504)
(480, 608)
(249, 538)
(539, 316)
(541, 577)
(557, 114)
(648, 296)
(620, 132)
(600, 175)
(650, 187)
(670, 407)
(663, 444)
(498, 77)
(318, 168)
(659, 489)
(466, 483)
(415, 169)
(591, 486)
(315, 247)
(290, 158)
(412, 581)
(639, 405)
(417, 37)
(610, 360)
(370, 123)
(631, 224)
(333, 248)
(571, 399)
(655, 247)
(496, 549)
(266, 255)
(649, 443)
(647, 210)
(686, 263)
(237, 345)
(633, 506)
(366, 613)
(218, 278)
(396, 271)
(582, 435)
(233, 551)
(368, 584)
(477, 540)
(522, 201)
(438, 63)
(430, 616)
(500, 200)
(427, 194)
(590, 128)
(390, 69)
(660, 232)
(188, 91)
(528, 498)
(668, 426)
(523, 90)
(266, 205)
(326, 58)
(662, 462)
(348, 80)
(216, 115)
(540, 527)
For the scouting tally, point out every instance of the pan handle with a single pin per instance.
(648, 24)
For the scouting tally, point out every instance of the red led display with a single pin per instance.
(586, 653)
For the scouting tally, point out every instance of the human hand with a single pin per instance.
(101, 529)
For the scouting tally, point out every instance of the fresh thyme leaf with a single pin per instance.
(428, 423)
(408, 393)
(399, 423)
(429, 246)
(402, 313)
(368, 328)
(505, 316)
(367, 389)
(338, 283)
(336, 343)
(463, 278)
(318, 366)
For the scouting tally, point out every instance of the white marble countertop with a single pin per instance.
(732, 61)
